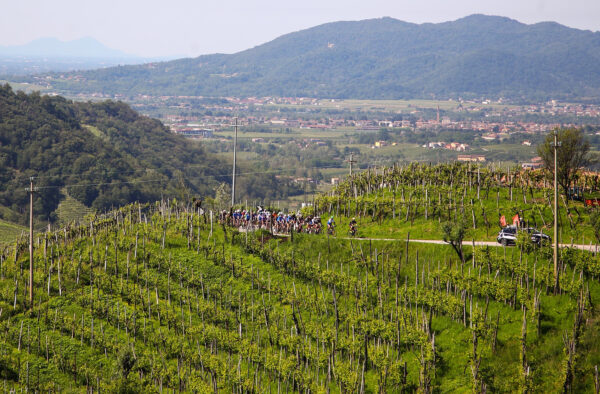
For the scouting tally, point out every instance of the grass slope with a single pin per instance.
(70, 210)
(9, 232)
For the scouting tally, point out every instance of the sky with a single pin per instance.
(175, 28)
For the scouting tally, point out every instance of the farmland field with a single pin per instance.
(392, 105)
(25, 87)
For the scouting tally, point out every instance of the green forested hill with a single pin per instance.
(379, 58)
(102, 154)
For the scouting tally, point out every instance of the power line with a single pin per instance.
(101, 184)
(141, 170)
(106, 172)
(167, 180)
(191, 166)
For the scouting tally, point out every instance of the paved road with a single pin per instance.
(466, 243)
(589, 247)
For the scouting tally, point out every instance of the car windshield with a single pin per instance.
(510, 230)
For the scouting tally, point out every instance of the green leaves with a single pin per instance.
(262, 313)
(454, 233)
(127, 361)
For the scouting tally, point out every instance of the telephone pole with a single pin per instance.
(31, 190)
(234, 160)
(556, 145)
(351, 161)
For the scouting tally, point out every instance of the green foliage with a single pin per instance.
(70, 210)
(223, 196)
(572, 155)
(525, 243)
(237, 312)
(454, 233)
(127, 361)
(595, 223)
(101, 154)
(120, 310)
(10, 231)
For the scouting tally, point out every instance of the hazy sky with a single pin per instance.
(194, 27)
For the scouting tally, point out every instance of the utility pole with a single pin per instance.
(31, 190)
(234, 160)
(351, 161)
(556, 145)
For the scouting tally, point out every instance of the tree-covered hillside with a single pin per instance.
(379, 58)
(102, 154)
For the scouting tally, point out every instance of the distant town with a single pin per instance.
(480, 131)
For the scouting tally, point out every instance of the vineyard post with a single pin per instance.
(555, 146)
(478, 182)
(31, 190)
(234, 162)
(426, 198)
(510, 185)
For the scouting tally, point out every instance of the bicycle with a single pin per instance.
(353, 231)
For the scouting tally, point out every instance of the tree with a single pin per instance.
(127, 361)
(223, 195)
(454, 233)
(572, 154)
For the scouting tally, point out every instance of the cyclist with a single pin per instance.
(331, 225)
(316, 225)
(352, 225)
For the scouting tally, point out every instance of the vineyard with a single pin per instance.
(417, 198)
(163, 297)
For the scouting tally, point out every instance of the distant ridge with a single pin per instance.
(477, 55)
(51, 47)
(53, 55)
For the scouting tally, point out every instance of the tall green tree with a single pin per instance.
(571, 156)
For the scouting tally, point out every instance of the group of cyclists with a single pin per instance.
(279, 222)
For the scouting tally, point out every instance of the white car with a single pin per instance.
(508, 235)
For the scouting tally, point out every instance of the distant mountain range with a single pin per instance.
(380, 58)
(49, 47)
(51, 54)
